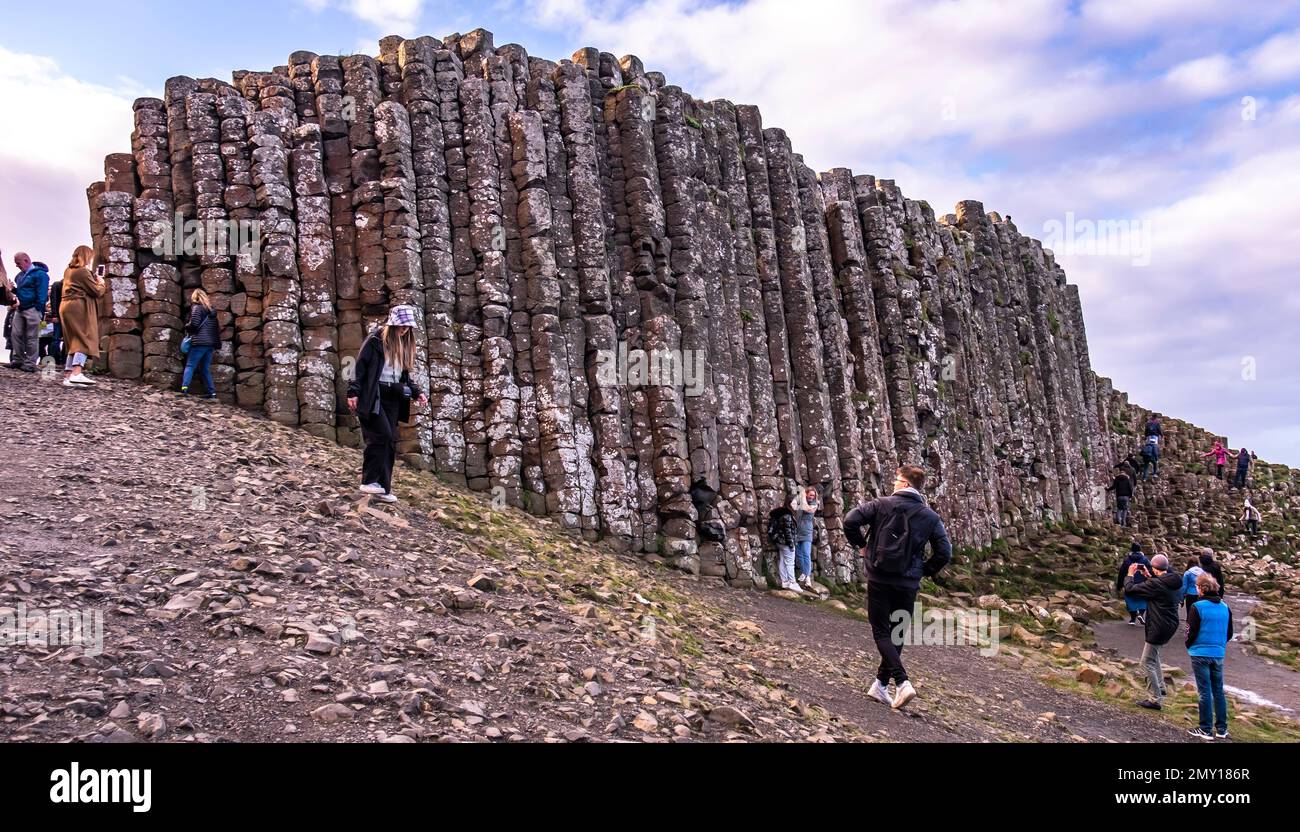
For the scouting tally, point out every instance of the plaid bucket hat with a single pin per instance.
(401, 316)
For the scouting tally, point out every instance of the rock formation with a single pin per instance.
(563, 227)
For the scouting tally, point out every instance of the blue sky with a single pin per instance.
(1177, 118)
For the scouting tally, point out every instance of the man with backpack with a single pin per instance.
(892, 533)
(782, 533)
(1151, 457)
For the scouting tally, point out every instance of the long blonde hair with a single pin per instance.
(82, 257)
(399, 346)
(201, 296)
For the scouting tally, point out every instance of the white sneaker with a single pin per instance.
(789, 587)
(373, 489)
(67, 382)
(82, 378)
(906, 693)
(879, 693)
(386, 498)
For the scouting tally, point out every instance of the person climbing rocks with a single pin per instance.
(32, 293)
(1123, 488)
(1190, 593)
(891, 534)
(1212, 566)
(1155, 428)
(1209, 629)
(79, 313)
(805, 506)
(205, 340)
(380, 394)
(1220, 455)
(1243, 468)
(1137, 607)
(1150, 455)
(1250, 518)
(1161, 591)
(782, 533)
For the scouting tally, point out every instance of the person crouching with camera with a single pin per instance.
(380, 394)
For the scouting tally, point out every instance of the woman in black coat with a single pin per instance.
(380, 393)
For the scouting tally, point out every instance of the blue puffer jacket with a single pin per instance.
(33, 288)
(204, 328)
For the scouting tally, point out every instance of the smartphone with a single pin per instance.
(100, 271)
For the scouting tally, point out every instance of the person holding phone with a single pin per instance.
(380, 394)
(1137, 607)
(79, 315)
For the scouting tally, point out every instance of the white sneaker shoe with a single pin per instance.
(373, 489)
(386, 498)
(67, 382)
(906, 693)
(82, 378)
(880, 693)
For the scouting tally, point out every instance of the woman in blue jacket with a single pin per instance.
(1137, 607)
(1209, 629)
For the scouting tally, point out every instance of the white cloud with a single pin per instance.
(392, 17)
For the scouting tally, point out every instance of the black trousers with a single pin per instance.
(883, 601)
(379, 430)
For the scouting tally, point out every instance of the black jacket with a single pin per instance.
(56, 297)
(203, 328)
(1162, 594)
(1213, 567)
(926, 529)
(1122, 486)
(1130, 559)
(364, 386)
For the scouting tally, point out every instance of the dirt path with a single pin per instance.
(249, 595)
(1248, 677)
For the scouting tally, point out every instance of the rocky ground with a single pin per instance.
(249, 594)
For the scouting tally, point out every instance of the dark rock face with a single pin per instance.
(641, 314)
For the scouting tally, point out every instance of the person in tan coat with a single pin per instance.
(79, 312)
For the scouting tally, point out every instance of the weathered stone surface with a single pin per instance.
(567, 230)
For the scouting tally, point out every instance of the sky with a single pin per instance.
(1172, 125)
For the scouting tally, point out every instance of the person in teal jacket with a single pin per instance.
(1190, 593)
(1209, 629)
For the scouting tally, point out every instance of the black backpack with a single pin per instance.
(891, 540)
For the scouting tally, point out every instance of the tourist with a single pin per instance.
(204, 331)
(1154, 428)
(782, 533)
(805, 506)
(1220, 455)
(891, 534)
(1136, 606)
(1210, 565)
(1209, 629)
(32, 292)
(58, 343)
(1250, 518)
(1190, 593)
(79, 312)
(381, 393)
(1160, 590)
(1123, 488)
(1243, 468)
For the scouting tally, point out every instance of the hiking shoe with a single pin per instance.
(879, 693)
(1221, 735)
(1150, 705)
(1201, 735)
(373, 489)
(387, 498)
(906, 693)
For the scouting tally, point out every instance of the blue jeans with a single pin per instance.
(200, 359)
(803, 557)
(1209, 690)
